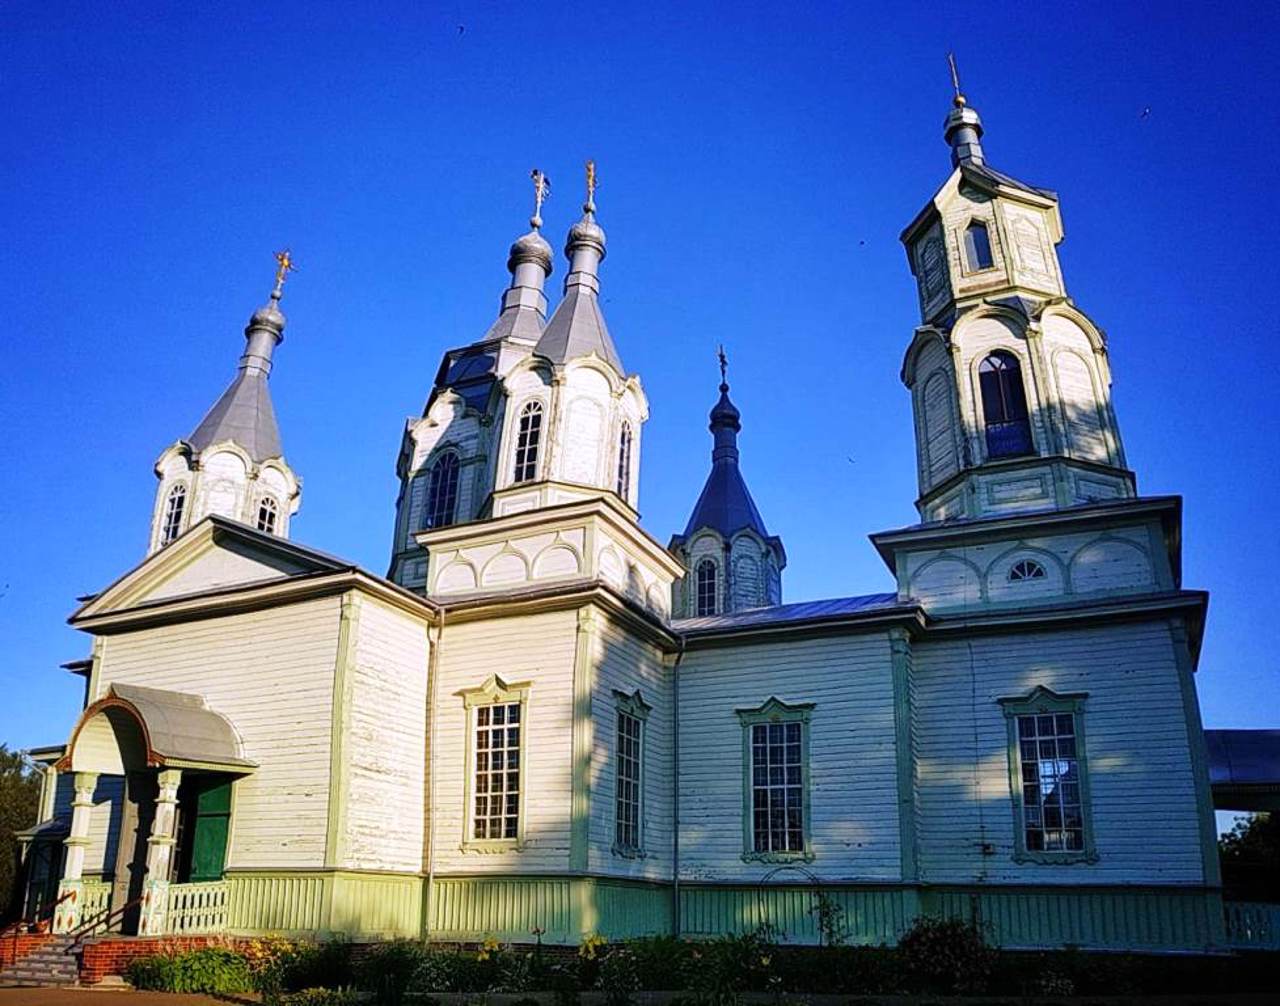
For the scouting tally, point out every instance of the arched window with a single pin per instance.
(174, 507)
(706, 576)
(527, 442)
(268, 513)
(977, 246)
(624, 461)
(1026, 569)
(1004, 406)
(442, 492)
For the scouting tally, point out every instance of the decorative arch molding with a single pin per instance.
(495, 571)
(1010, 316)
(1061, 309)
(1115, 543)
(458, 575)
(633, 703)
(617, 383)
(996, 578)
(494, 689)
(925, 336)
(943, 558)
(557, 559)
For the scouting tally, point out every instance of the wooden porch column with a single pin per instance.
(67, 915)
(153, 918)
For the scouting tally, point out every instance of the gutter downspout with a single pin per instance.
(433, 661)
(675, 790)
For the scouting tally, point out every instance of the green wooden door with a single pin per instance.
(209, 838)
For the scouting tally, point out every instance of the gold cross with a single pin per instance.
(724, 366)
(286, 266)
(591, 182)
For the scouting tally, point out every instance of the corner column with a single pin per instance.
(155, 891)
(67, 915)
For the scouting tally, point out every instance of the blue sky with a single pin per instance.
(756, 168)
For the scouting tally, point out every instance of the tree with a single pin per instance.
(1250, 854)
(19, 804)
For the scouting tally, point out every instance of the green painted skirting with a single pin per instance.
(1158, 919)
(565, 908)
(509, 908)
(355, 905)
(869, 915)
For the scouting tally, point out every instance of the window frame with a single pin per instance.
(434, 473)
(971, 268)
(774, 710)
(178, 491)
(622, 485)
(699, 566)
(494, 692)
(1027, 569)
(520, 462)
(271, 506)
(1045, 701)
(635, 707)
(1005, 367)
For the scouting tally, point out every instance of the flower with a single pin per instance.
(590, 945)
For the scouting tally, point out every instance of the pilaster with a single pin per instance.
(583, 738)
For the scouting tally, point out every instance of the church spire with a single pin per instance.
(233, 464)
(577, 327)
(530, 263)
(734, 562)
(244, 413)
(963, 128)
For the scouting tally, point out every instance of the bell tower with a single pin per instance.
(233, 463)
(1010, 381)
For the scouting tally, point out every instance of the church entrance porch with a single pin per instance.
(173, 763)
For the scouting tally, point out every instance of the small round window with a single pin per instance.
(1026, 569)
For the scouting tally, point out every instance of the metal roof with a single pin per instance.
(243, 414)
(1244, 757)
(180, 726)
(780, 614)
(725, 504)
(577, 329)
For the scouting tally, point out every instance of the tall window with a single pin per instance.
(977, 246)
(1048, 778)
(776, 756)
(268, 512)
(1004, 406)
(496, 790)
(174, 507)
(629, 758)
(624, 461)
(442, 491)
(706, 576)
(527, 442)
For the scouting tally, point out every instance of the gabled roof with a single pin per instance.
(985, 173)
(577, 329)
(245, 415)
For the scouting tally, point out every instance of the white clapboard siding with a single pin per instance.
(271, 674)
(533, 648)
(1143, 798)
(104, 823)
(625, 664)
(385, 743)
(1084, 422)
(852, 761)
(222, 567)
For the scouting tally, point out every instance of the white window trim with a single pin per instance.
(635, 706)
(493, 692)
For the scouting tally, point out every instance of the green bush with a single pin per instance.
(946, 955)
(211, 970)
(619, 975)
(321, 997)
(388, 968)
(663, 963)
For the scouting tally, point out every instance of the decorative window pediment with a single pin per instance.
(632, 704)
(1048, 777)
(495, 689)
(775, 762)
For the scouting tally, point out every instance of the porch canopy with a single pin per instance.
(132, 727)
(1244, 769)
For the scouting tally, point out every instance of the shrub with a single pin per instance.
(388, 968)
(321, 997)
(619, 977)
(946, 955)
(662, 962)
(722, 968)
(211, 970)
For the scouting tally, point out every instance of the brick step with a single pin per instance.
(51, 964)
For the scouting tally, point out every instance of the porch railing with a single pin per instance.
(97, 899)
(1252, 925)
(197, 908)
